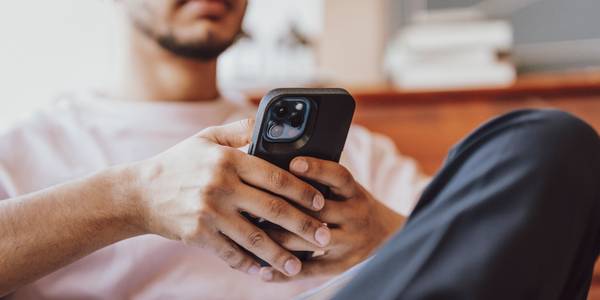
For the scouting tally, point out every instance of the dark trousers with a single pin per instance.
(513, 214)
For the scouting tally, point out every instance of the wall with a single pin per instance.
(352, 44)
(550, 34)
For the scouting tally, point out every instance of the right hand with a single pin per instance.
(195, 192)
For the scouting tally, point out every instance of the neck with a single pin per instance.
(150, 73)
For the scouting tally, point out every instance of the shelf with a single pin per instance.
(546, 85)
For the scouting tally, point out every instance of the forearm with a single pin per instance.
(46, 230)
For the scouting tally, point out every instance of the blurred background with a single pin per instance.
(60, 45)
(424, 72)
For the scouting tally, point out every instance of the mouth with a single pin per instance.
(211, 9)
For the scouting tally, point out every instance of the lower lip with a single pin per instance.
(205, 8)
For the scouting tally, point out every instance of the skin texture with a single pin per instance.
(199, 201)
(78, 218)
(360, 222)
(151, 72)
(196, 200)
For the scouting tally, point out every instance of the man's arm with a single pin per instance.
(193, 192)
(47, 230)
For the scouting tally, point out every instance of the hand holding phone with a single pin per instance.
(301, 122)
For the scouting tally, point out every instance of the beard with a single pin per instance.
(204, 50)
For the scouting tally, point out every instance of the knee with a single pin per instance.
(562, 153)
(552, 134)
(536, 133)
(564, 125)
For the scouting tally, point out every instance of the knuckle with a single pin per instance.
(345, 176)
(218, 157)
(232, 257)
(277, 208)
(225, 159)
(256, 239)
(279, 180)
(228, 254)
(238, 265)
(217, 189)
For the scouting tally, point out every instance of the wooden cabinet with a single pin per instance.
(426, 131)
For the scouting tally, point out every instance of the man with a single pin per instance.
(68, 234)
(513, 214)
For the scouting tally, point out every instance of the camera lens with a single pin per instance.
(280, 110)
(296, 119)
(276, 130)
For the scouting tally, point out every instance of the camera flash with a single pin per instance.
(299, 106)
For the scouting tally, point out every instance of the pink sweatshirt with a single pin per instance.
(87, 132)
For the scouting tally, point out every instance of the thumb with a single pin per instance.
(236, 134)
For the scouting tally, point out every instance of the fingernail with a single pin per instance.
(323, 236)
(300, 165)
(318, 202)
(292, 267)
(266, 274)
(253, 270)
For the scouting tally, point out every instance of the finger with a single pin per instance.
(236, 134)
(311, 268)
(261, 174)
(231, 253)
(278, 211)
(341, 240)
(291, 241)
(329, 173)
(258, 242)
(334, 212)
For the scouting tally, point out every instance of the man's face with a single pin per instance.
(196, 29)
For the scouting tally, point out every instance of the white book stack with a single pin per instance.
(451, 54)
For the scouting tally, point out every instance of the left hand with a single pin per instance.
(359, 223)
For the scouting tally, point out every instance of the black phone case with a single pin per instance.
(328, 124)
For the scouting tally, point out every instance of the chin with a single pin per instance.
(204, 30)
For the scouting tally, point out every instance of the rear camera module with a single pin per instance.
(287, 119)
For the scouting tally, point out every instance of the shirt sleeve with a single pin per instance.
(392, 178)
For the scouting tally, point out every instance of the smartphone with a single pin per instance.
(295, 122)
